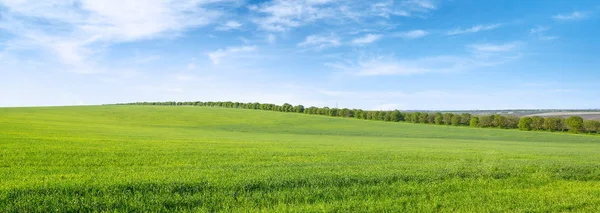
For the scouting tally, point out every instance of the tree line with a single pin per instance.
(573, 124)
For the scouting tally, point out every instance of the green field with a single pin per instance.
(145, 158)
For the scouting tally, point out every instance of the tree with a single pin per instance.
(333, 112)
(401, 116)
(448, 118)
(439, 120)
(423, 118)
(499, 121)
(474, 121)
(456, 120)
(345, 112)
(554, 124)
(415, 117)
(359, 114)
(575, 124)
(406, 116)
(486, 121)
(525, 123)
(395, 116)
(299, 109)
(380, 115)
(537, 123)
(591, 126)
(465, 118)
(512, 122)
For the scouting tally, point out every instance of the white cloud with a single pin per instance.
(494, 47)
(76, 31)
(367, 39)
(400, 8)
(540, 33)
(320, 42)
(538, 29)
(283, 15)
(388, 66)
(217, 56)
(474, 29)
(230, 25)
(483, 55)
(412, 34)
(571, 16)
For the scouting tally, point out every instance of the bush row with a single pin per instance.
(574, 124)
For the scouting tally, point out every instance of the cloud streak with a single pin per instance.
(284, 15)
(577, 15)
(320, 42)
(413, 34)
(474, 29)
(217, 56)
(367, 39)
(229, 25)
(487, 47)
(483, 55)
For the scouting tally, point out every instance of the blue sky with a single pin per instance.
(380, 54)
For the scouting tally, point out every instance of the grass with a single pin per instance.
(150, 159)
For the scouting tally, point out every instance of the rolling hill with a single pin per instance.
(158, 158)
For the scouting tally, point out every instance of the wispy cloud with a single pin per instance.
(283, 15)
(412, 34)
(367, 39)
(401, 8)
(474, 29)
(320, 42)
(217, 56)
(540, 33)
(482, 55)
(538, 29)
(76, 32)
(488, 47)
(229, 25)
(577, 15)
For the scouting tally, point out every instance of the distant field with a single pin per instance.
(153, 159)
(584, 115)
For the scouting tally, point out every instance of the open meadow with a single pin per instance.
(201, 159)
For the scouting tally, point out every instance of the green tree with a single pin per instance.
(448, 118)
(395, 116)
(537, 123)
(423, 118)
(591, 126)
(554, 124)
(486, 121)
(499, 121)
(512, 122)
(415, 117)
(474, 121)
(439, 120)
(575, 124)
(525, 123)
(456, 120)
(299, 108)
(359, 114)
(333, 112)
(465, 118)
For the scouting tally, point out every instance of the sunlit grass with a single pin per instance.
(143, 158)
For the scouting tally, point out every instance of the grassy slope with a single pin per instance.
(210, 159)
